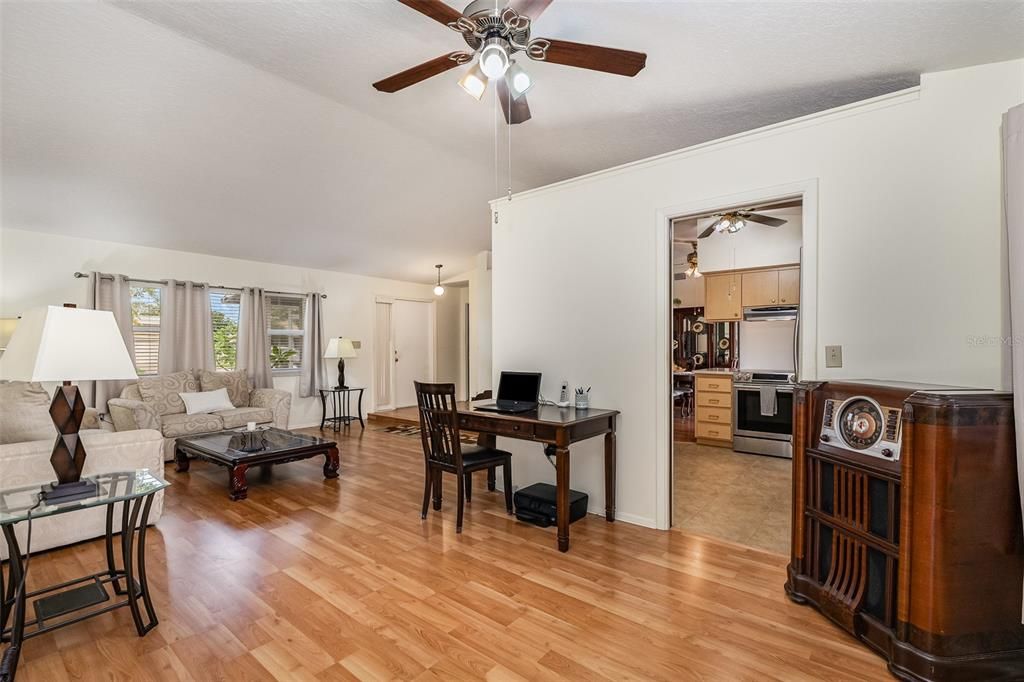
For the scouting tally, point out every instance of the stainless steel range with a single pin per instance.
(763, 412)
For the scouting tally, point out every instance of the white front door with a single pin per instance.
(413, 343)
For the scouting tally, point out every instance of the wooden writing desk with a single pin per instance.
(556, 428)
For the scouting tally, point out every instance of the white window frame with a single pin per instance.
(135, 284)
(294, 333)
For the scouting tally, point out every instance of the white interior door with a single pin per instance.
(413, 339)
(383, 360)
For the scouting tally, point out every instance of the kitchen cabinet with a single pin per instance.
(722, 297)
(713, 422)
(760, 288)
(789, 286)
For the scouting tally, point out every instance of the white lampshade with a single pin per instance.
(66, 344)
(340, 347)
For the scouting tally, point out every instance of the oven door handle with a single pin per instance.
(785, 388)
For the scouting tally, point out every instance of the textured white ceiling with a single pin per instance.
(250, 128)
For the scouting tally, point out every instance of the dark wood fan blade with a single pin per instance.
(417, 73)
(607, 59)
(763, 219)
(530, 8)
(435, 9)
(515, 112)
(708, 232)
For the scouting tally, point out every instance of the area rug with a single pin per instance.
(414, 432)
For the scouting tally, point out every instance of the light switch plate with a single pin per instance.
(833, 356)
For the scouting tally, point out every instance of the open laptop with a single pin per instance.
(517, 392)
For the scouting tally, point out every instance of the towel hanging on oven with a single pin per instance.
(769, 401)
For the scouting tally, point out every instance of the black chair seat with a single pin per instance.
(476, 457)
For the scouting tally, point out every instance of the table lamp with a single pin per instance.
(340, 348)
(67, 344)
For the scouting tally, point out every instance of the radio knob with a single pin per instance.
(886, 452)
(825, 438)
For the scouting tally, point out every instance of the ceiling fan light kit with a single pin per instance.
(495, 33)
(734, 221)
(474, 81)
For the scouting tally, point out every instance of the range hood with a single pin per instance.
(775, 312)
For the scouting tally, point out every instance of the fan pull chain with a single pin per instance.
(509, 126)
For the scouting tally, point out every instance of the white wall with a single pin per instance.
(910, 253)
(480, 323)
(767, 344)
(449, 346)
(755, 246)
(36, 269)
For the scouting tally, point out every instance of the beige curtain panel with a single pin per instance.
(313, 373)
(113, 293)
(253, 339)
(186, 327)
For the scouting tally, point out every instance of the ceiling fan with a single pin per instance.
(734, 221)
(495, 32)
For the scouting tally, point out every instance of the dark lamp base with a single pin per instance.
(56, 493)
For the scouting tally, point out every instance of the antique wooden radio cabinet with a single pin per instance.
(907, 524)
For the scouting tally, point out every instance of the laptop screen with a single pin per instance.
(522, 387)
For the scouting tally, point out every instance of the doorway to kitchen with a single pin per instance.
(735, 340)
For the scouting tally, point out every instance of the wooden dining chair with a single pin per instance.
(443, 450)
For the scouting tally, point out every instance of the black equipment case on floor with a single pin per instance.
(536, 504)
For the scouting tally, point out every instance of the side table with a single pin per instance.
(57, 606)
(341, 406)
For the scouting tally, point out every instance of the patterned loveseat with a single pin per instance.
(155, 403)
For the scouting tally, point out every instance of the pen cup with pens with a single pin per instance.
(583, 398)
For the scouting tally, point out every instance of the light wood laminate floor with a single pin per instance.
(341, 580)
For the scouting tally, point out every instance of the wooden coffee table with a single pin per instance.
(239, 450)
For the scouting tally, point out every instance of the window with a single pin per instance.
(225, 309)
(286, 316)
(146, 328)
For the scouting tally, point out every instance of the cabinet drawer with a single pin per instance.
(705, 399)
(714, 384)
(714, 415)
(511, 428)
(714, 431)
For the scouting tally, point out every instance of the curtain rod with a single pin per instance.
(80, 275)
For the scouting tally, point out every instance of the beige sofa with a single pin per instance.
(155, 403)
(26, 441)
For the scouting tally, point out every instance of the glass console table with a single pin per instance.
(75, 600)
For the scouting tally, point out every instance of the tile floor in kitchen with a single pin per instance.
(732, 496)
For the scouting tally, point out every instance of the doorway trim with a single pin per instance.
(807, 191)
(431, 341)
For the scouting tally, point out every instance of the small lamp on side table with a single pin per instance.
(67, 344)
(341, 348)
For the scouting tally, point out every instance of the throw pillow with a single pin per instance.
(164, 392)
(205, 402)
(25, 423)
(237, 383)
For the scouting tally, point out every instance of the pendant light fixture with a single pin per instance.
(439, 290)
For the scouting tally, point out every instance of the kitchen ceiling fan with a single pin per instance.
(494, 33)
(734, 221)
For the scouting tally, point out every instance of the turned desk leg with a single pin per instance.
(609, 475)
(562, 496)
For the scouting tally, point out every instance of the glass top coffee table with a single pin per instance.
(239, 450)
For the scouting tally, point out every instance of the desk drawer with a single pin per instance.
(510, 428)
(714, 384)
(722, 400)
(714, 431)
(714, 415)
